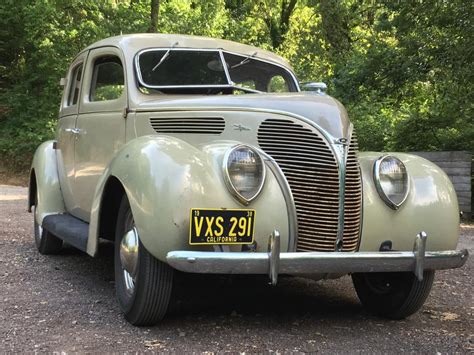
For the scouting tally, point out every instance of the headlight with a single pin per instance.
(244, 172)
(391, 180)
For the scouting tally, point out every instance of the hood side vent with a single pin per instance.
(187, 125)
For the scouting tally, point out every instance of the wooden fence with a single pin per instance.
(458, 166)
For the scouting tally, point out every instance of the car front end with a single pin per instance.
(228, 170)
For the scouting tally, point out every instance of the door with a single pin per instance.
(66, 130)
(100, 126)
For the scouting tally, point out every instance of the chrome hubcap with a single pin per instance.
(129, 258)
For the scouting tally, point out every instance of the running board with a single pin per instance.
(68, 228)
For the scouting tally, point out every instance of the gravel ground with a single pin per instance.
(66, 303)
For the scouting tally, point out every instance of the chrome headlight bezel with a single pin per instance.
(377, 179)
(228, 181)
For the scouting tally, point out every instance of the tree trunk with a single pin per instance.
(335, 25)
(154, 12)
(278, 29)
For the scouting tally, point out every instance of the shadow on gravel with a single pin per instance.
(216, 295)
(251, 295)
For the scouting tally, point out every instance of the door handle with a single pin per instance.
(73, 130)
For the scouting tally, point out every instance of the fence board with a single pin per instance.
(446, 156)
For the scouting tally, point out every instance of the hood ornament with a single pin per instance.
(239, 127)
(340, 146)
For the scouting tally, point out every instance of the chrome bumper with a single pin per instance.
(274, 262)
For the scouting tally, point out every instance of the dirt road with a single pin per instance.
(66, 303)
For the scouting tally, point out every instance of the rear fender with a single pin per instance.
(44, 180)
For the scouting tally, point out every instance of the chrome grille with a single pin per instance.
(196, 125)
(311, 170)
(353, 198)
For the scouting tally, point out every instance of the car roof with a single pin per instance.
(132, 43)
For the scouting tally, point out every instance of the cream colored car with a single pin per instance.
(204, 156)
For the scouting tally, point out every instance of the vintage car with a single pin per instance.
(205, 156)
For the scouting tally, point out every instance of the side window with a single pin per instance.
(277, 84)
(107, 79)
(75, 86)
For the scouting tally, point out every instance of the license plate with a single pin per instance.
(219, 226)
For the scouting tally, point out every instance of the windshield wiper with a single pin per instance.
(165, 56)
(244, 61)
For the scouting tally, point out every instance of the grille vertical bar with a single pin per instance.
(311, 170)
(353, 198)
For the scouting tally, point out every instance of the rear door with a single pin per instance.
(66, 130)
(100, 124)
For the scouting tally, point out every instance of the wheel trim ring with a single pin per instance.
(129, 252)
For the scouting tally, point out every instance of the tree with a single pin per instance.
(403, 69)
(278, 26)
(154, 13)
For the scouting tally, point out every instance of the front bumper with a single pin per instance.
(274, 262)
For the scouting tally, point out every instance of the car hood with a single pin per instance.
(325, 111)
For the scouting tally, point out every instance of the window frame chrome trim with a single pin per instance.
(226, 70)
(221, 55)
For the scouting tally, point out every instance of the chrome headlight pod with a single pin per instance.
(244, 172)
(391, 180)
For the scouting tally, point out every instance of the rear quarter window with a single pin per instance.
(74, 88)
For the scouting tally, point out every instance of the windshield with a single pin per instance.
(203, 71)
(182, 68)
(255, 74)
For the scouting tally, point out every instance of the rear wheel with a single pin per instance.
(393, 295)
(143, 283)
(44, 240)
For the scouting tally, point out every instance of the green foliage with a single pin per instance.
(194, 17)
(414, 59)
(403, 69)
(38, 40)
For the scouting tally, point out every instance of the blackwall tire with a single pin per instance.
(144, 295)
(394, 295)
(45, 242)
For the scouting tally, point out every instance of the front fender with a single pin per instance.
(45, 170)
(164, 177)
(431, 206)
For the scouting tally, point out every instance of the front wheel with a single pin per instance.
(143, 283)
(394, 295)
